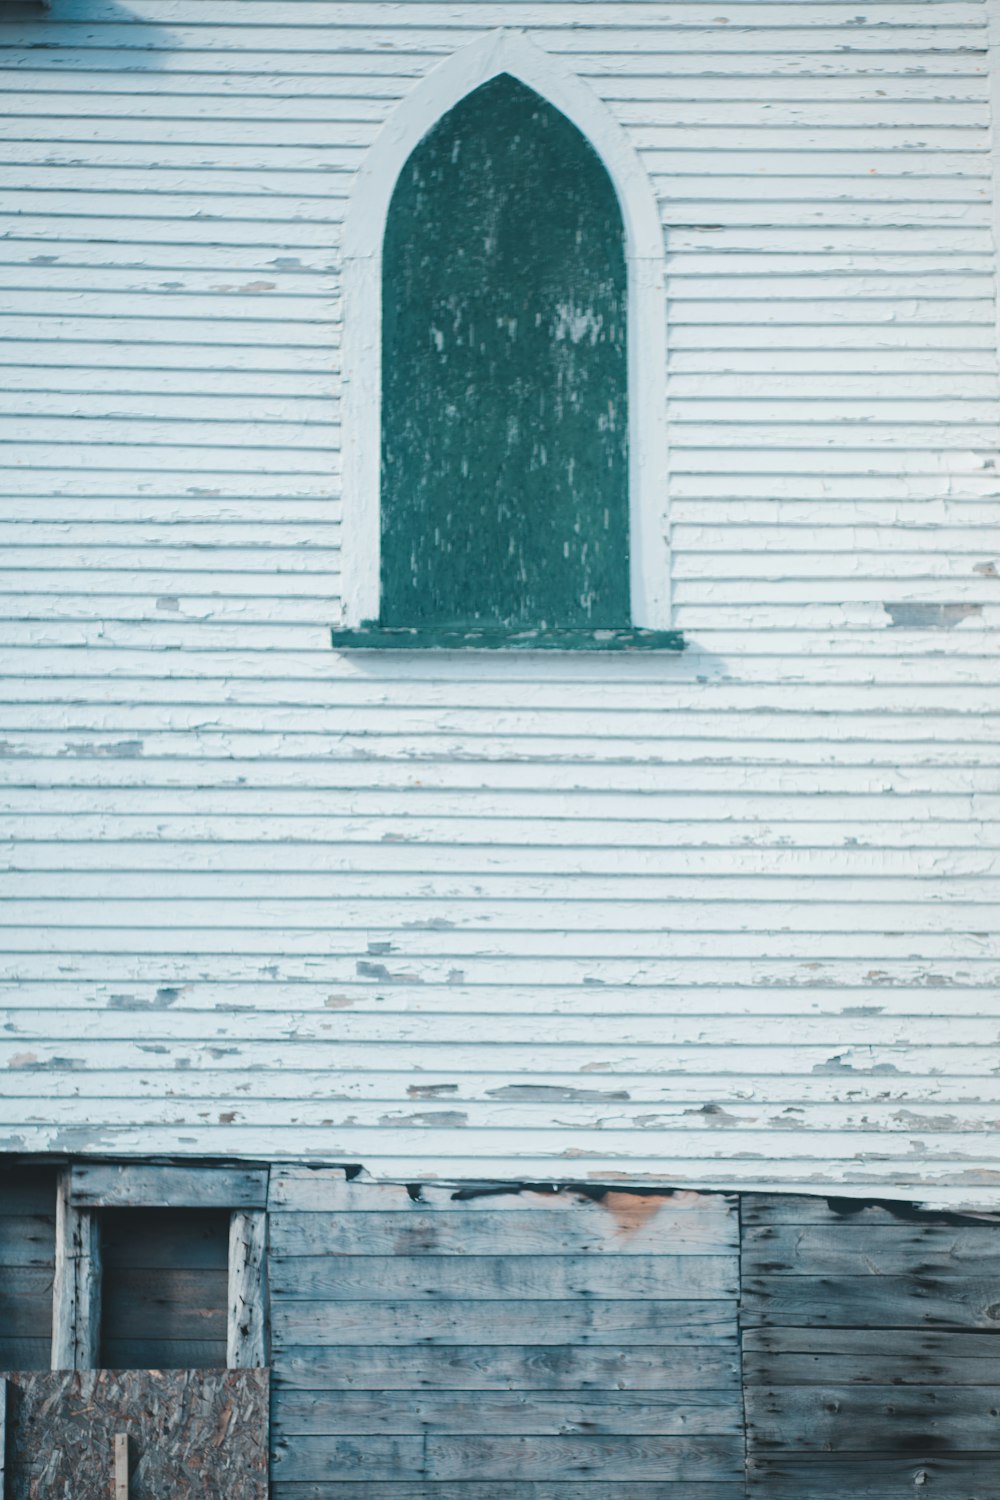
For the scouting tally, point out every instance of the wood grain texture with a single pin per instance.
(499, 1489)
(167, 1187)
(552, 1359)
(506, 1367)
(599, 1323)
(190, 1434)
(623, 1460)
(247, 1319)
(76, 1283)
(497, 1277)
(844, 1389)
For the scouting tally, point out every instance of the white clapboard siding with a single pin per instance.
(726, 919)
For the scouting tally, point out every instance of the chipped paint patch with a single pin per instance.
(906, 616)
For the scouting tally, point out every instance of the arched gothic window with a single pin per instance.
(504, 384)
(504, 368)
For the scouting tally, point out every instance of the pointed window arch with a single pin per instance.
(504, 470)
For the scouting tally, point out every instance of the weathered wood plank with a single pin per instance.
(3, 1438)
(499, 1489)
(477, 1458)
(247, 1322)
(914, 1346)
(481, 1322)
(536, 1412)
(866, 1419)
(121, 1466)
(29, 1191)
(620, 1227)
(874, 1476)
(845, 1212)
(166, 1304)
(28, 1240)
(876, 1302)
(98, 1186)
(631, 1212)
(392, 1278)
(163, 1354)
(192, 1434)
(938, 1249)
(498, 1367)
(879, 1365)
(25, 1301)
(24, 1353)
(76, 1290)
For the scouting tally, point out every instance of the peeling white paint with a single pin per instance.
(722, 920)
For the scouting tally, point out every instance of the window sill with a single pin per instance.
(495, 638)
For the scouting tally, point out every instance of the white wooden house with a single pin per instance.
(311, 864)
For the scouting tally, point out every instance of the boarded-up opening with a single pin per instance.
(165, 1279)
(515, 1345)
(27, 1261)
(504, 386)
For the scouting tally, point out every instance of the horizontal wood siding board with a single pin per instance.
(870, 1418)
(25, 1353)
(499, 1489)
(167, 1187)
(534, 1412)
(873, 1476)
(604, 1323)
(507, 1367)
(162, 1354)
(912, 1346)
(234, 804)
(525, 1233)
(940, 1250)
(26, 1301)
(498, 1277)
(622, 1459)
(915, 1301)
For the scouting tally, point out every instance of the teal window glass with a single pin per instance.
(504, 392)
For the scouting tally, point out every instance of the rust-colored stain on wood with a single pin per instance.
(191, 1434)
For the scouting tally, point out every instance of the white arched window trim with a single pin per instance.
(502, 52)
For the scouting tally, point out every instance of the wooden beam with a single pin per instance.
(99, 1186)
(246, 1335)
(76, 1291)
(3, 1438)
(121, 1466)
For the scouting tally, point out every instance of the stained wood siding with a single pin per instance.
(526, 1344)
(27, 1265)
(723, 919)
(871, 1351)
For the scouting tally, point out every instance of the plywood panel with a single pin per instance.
(190, 1434)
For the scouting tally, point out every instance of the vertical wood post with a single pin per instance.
(246, 1332)
(76, 1290)
(3, 1438)
(121, 1466)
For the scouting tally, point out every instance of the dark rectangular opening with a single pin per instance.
(164, 1288)
(27, 1261)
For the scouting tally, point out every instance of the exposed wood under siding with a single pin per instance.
(417, 1365)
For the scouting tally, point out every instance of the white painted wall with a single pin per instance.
(721, 919)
